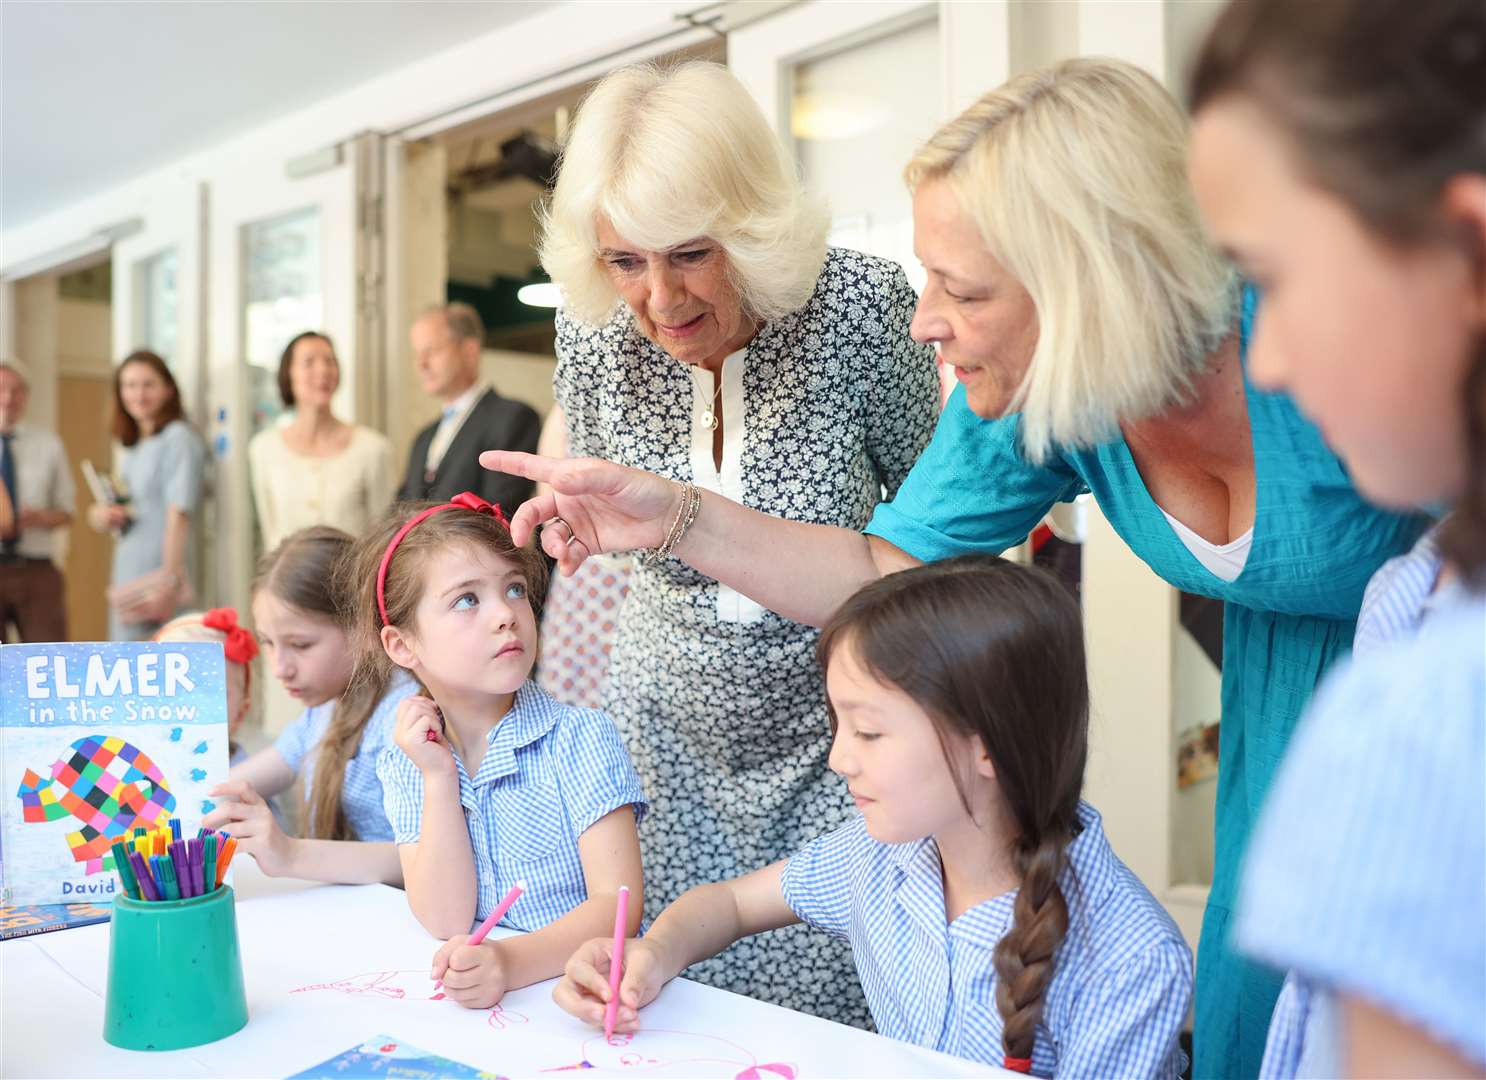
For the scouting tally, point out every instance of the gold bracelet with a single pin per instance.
(686, 514)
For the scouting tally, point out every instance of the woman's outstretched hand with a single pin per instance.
(606, 507)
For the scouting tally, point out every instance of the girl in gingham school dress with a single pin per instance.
(490, 781)
(987, 915)
(1359, 130)
(333, 746)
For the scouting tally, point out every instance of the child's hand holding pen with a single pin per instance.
(583, 989)
(473, 973)
(420, 734)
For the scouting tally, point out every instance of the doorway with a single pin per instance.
(63, 326)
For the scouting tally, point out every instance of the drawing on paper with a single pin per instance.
(501, 1017)
(395, 986)
(654, 1048)
(107, 784)
(382, 984)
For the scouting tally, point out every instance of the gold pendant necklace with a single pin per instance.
(709, 412)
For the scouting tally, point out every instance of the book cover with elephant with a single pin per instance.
(97, 739)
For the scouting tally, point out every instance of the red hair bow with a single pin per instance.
(470, 501)
(241, 645)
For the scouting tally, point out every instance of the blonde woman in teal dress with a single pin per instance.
(1100, 342)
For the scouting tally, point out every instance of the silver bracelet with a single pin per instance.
(686, 514)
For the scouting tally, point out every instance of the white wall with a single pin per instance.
(491, 64)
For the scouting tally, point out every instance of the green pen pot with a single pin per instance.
(175, 973)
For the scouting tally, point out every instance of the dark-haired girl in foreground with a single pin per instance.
(987, 914)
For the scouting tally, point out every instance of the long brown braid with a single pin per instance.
(994, 649)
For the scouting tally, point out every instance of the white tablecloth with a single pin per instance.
(327, 967)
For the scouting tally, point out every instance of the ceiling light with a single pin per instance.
(541, 294)
(831, 115)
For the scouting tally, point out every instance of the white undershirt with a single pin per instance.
(732, 606)
(1225, 561)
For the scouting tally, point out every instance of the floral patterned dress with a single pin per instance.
(721, 703)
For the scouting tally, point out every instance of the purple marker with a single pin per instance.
(142, 874)
(180, 861)
(198, 866)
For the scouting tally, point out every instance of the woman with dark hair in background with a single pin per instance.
(159, 468)
(1339, 153)
(317, 469)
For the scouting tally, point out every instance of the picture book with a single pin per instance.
(97, 739)
(42, 918)
(385, 1056)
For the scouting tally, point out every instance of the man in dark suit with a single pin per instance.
(445, 456)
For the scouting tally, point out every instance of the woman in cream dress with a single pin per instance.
(317, 469)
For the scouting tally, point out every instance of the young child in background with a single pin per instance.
(491, 781)
(335, 742)
(987, 914)
(239, 647)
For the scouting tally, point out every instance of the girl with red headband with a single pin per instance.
(300, 609)
(491, 781)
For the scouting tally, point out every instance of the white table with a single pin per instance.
(370, 958)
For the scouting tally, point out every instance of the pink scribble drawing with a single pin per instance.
(501, 1018)
(387, 985)
(375, 983)
(657, 1047)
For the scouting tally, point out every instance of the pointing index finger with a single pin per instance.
(517, 463)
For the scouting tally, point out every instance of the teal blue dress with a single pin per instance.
(1287, 617)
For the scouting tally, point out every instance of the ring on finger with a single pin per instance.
(572, 536)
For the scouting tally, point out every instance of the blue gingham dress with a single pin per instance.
(1121, 985)
(1368, 871)
(361, 794)
(549, 772)
(1399, 597)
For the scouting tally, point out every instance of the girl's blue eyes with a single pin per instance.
(514, 591)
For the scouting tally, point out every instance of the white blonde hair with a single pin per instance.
(1076, 178)
(674, 155)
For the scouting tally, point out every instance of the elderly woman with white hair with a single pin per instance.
(1101, 343)
(710, 337)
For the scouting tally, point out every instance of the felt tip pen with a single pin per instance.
(616, 960)
(492, 919)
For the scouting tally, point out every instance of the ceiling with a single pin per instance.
(95, 93)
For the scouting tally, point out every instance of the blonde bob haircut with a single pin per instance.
(674, 155)
(1075, 176)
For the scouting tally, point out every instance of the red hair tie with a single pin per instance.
(241, 645)
(465, 500)
(1021, 1065)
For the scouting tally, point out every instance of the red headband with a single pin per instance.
(465, 500)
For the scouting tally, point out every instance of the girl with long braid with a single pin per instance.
(987, 915)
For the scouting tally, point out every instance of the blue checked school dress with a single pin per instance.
(549, 772)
